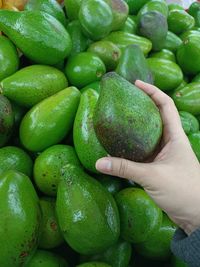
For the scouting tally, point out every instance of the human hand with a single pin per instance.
(173, 178)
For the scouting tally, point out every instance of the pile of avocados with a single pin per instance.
(67, 98)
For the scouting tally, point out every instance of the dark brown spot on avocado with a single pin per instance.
(53, 226)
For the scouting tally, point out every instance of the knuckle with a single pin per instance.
(123, 168)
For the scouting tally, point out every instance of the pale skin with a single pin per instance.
(173, 178)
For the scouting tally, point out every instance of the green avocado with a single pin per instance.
(133, 65)
(167, 74)
(48, 167)
(51, 7)
(157, 246)
(84, 68)
(72, 8)
(88, 147)
(122, 39)
(20, 219)
(51, 236)
(44, 258)
(139, 216)
(14, 158)
(108, 52)
(123, 134)
(154, 5)
(129, 26)
(6, 120)
(172, 42)
(32, 84)
(189, 122)
(95, 86)
(148, 27)
(19, 112)
(164, 54)
(87, 213)
(94, 264)
(194, 139)
(173, 6)
(180, 21)
(9, 59)
(188, 98)
(135, 5)
(48, 122)
(41, 37)
(194, 10)
(96, 18)
(196, 78)
(188, 33)
(112, 184)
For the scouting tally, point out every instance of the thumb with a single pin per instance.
(138, 172)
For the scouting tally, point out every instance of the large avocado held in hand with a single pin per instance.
(133, 65)
(188, 98)
(87, 145)
(48, 122)
(172, 42)
(32, 84)
(9, 60)
(194, 139)
(43, 258)
(51, 7)
(6, 120)
(189, 122)
(48, 167)
(134, 133)
(96, 18)
(40, 37)
(148, 27)
(87, 213)
(14, 158)
(140, 217)
(167, 74)
(19, 219)
(157, 246)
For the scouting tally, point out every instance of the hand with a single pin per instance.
(173, 178)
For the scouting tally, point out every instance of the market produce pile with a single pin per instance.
(67, 98)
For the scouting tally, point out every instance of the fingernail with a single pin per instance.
(104, 165)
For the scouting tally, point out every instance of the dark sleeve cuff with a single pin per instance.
(187, 248)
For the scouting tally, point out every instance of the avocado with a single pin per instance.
(194, 139)
(48, 122)
(112, 184)
(32, 84)
(72, 8)
(123, 134)
(95, 86)
(135, 5)
(194, 10)
(87, 213)
(154, 5)
(133, 65)
(40, 37)
(190, 124)
(129, 26)
(20, 219)
(164, 54)
(172, 42)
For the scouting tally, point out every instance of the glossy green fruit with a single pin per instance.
(19, 112)
(135, 5)
(44, 258)
(188, 33)
(167, 74)
(48, 167)
(72, 8)
(172, 42)
(96, 18)
(157, 246)
(180, 21)
(94, 264)
(51, 7)
(148, 27)
(188, 54)
(14, 158)
(190, 124)
(9, 59)
(154, 5)
(112, 184)
(48, 122)
(80, 42)
(108, 52)
(122, 39)
(194, 139)
(123, 134)
(88, 147)
(84, 68)
(164, 54)
(194, 10)
(139, 215)
(79, 198)
(118, 255)
(40, 37)
(196, 78)
(129, 26)
(120, 12)
(188, 98)
(6, 120)
(32, 84)
(95, 86)
(173, 6)
(133, 65)
(51, 236)
(175, 262)
(20, 219)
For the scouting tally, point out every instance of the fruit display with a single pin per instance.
(67, 98)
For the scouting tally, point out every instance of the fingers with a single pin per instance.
(138, 172)
(169, 113)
